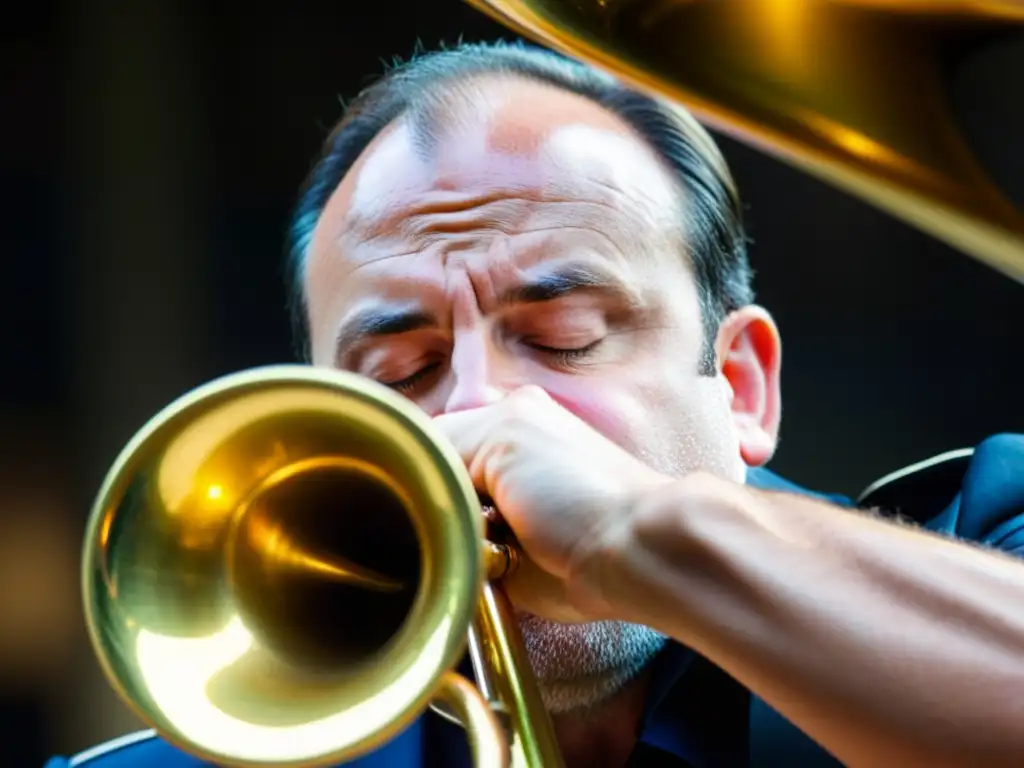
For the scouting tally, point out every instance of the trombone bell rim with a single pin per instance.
(135, 517)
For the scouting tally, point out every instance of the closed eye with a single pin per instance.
(564, 354)
(409, 383)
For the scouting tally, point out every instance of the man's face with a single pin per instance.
(537, 241)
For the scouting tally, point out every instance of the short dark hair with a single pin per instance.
(713, 216)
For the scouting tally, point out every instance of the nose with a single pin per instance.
(480, 375)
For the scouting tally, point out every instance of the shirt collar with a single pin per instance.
(660, 725)
(667, 671)
(695, 713)
(759, 477)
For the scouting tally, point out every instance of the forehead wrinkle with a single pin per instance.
(370, 261)
(524, 258)
(415, 285)
(508, 258)
(508, 215)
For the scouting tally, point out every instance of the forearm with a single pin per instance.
(887, 645)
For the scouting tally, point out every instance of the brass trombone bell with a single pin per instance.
(285, 566)
(849, 91)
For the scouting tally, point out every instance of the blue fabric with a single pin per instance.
(696, 716)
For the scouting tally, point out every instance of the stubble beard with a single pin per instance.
(578, 666)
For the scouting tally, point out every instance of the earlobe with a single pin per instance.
(749, 351)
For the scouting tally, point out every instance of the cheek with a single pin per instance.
(611, 411)
(676, 426)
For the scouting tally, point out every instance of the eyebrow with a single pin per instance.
(566, 279)
(375, 322)
(381, 321)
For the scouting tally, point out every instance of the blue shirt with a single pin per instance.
(696, 716)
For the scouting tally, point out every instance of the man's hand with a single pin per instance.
(561, 486)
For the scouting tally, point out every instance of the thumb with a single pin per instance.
(476, 433)
(467, 432)
(534, 590)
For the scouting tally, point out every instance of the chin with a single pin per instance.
(580, 665)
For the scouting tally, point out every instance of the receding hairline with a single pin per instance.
(453, 102)
(450, 103)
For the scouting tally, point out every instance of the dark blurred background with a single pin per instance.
(149, 154)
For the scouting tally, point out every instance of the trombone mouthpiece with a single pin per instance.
(500, 560)
(501, 553)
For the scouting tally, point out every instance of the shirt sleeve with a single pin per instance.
(990, 506)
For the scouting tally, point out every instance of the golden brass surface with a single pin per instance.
(283, 567)
(502, 651)
(850, 91)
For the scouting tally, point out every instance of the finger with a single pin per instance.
(535, 591)
(467, 432)
(471, 430)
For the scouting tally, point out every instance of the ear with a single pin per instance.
(749, 352)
